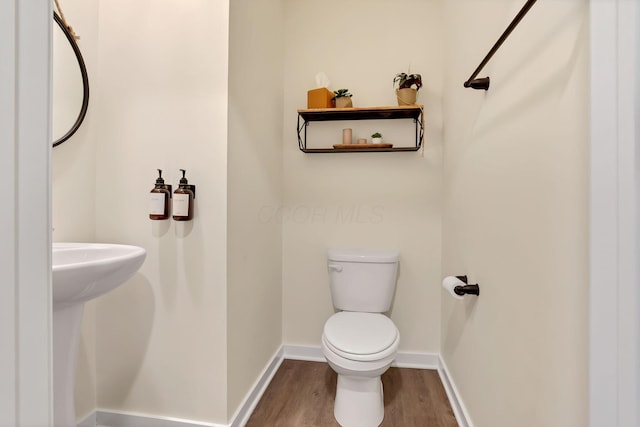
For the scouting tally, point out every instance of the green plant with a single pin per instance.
(341, 93)
(408, 81)
(376, 135)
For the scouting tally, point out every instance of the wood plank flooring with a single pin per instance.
(301, 395)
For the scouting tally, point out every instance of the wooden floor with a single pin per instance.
(301, 395)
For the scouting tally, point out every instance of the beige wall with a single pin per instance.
(379, 200)
(515, 213)
(73, 171)
(254, 259)
(162, 103)
(73, 206)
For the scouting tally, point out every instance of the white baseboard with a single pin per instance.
(127, 419)
(89, 420)
(403, 360)
(416, 360)
(303, 352)
(252, 398)
(457, 405)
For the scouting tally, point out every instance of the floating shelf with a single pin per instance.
(414, 112)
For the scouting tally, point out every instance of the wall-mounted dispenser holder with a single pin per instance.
(183, 199)
(458, 287)
(159, 199)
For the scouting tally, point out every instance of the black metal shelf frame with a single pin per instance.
(305, 117)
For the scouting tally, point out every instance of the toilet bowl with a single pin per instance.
(360, 342)
(359, 347)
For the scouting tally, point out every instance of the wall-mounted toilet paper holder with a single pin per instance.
(466, 289)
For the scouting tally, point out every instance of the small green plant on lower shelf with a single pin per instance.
(376, 135)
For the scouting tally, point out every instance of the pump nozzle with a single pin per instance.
(184, 183)
(159, 180)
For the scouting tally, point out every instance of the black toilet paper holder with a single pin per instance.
(466, 289)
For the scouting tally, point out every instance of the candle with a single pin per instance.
(346, 136)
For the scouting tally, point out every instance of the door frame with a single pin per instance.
(25, 247)
(614, 332)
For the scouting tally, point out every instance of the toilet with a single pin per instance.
(360, 342)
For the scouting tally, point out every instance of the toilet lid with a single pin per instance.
(360, 333)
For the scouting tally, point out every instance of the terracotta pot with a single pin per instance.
(406, 96)
(344, 102)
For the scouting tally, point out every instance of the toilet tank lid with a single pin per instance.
(362, 255)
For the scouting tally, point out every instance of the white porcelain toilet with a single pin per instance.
(360, 342)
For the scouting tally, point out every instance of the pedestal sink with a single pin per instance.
(81, 272)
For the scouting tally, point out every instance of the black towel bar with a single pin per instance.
(484, 82)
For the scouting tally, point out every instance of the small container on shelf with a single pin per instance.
(347, 136)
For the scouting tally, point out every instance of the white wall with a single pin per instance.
(74, 194)
(73, 171)
(162, 102)
(254, 257)
(515, 218)
(379, 200)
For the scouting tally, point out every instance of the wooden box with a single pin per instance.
(320, 98)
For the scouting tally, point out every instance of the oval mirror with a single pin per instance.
(70, 84)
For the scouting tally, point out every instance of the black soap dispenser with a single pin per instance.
(159, 199)
(183, 200)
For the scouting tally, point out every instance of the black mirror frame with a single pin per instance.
(85, 82)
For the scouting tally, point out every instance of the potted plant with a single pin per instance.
(376, 138)
(408, 86)
(342, 98)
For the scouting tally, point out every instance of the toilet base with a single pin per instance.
(359, 401)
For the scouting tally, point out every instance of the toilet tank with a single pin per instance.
(362, 279)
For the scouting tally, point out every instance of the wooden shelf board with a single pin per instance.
(360, 150)
(362, 113)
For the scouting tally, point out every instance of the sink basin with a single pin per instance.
(83, 271)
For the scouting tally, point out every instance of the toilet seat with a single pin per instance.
(361, 336)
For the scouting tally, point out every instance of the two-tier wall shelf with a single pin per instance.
(305, 117)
